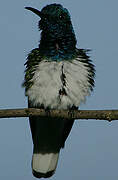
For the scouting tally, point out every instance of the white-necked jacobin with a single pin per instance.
(57, 76)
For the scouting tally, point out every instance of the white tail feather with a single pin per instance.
(44, 163)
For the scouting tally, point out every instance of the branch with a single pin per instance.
(76, 114)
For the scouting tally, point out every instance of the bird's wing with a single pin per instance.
(33, 60)
(68, 123)
(85, 59)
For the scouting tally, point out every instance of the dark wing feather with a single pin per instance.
(32, 122)
(85, 59)
(33, 60)
(68, 123)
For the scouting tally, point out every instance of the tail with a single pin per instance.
(44, 165)
(48, 137)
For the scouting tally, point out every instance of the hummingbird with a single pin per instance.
(57, 76)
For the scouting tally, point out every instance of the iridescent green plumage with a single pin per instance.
(33, 60)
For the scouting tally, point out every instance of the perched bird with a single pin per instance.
(57, 76)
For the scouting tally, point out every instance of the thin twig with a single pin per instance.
(76, 114)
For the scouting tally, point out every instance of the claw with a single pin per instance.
(71, 111)
(47, 111)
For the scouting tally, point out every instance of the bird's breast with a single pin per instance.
(59, 85)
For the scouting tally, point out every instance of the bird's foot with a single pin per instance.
(47, 111)
(71, 111)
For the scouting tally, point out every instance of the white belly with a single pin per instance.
(48, 82)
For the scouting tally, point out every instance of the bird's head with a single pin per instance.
(55, 19)
(58, 39)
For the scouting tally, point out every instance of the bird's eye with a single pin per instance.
(45, 18)
(61, 17)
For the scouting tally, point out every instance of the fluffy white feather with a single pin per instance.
(47, 82)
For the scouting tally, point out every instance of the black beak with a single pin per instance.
(35, 11)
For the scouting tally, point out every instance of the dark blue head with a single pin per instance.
(57, 37)
(56, 20)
